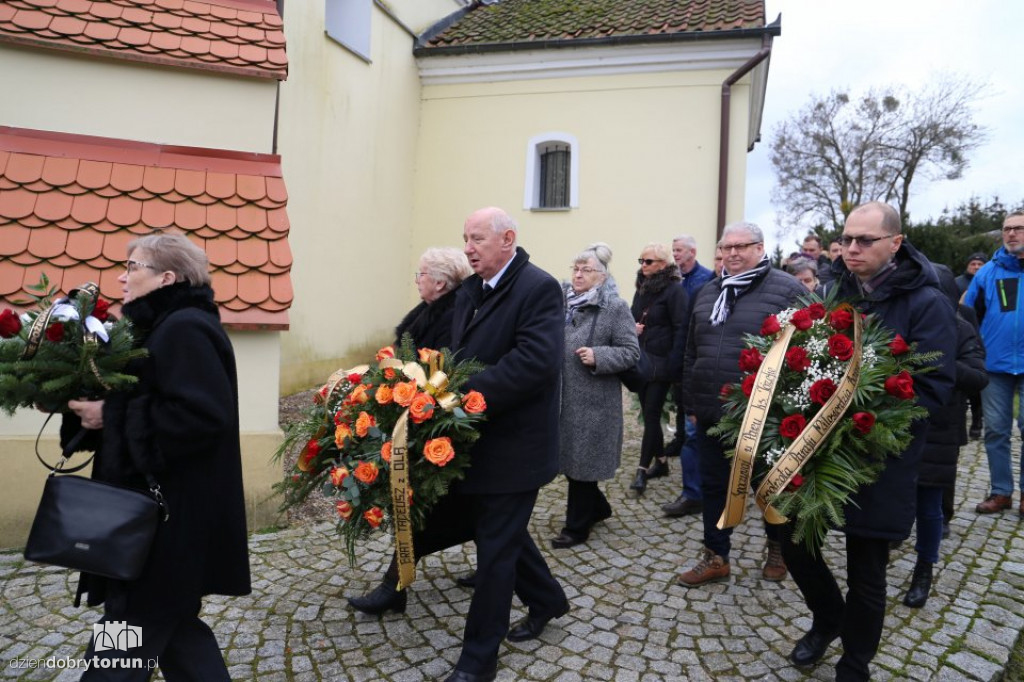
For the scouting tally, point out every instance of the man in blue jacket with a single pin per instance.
(509, 317)
(995, 293)
(882, 274)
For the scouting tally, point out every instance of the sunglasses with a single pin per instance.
(863, 242)
(648, 261)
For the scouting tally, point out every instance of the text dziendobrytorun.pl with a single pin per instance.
(69, 663)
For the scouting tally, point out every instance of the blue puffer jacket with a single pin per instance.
(995, 293)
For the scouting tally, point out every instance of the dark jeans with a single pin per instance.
(585, 506)
(859, 617)
(715, 468)
(683, 446)
(929, 523)
(184, 646)
(652, 401)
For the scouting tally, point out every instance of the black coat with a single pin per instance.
(909, 303)
(713, 353)
(661, 303)
(429, 325)
(181, 423)
(518, 333)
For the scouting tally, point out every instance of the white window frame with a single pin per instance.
(347, 22)
(536, 145)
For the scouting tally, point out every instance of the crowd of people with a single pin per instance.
(682, 335)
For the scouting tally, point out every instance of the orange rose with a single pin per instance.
(344, 509)
(405, 392)
(385, 451)
(338, 476)
(426, 354)
(422, 408)
(363, 424)
(358, 394)
(373, 516)
(474, 403)
(366, 472)
(389, 373)
(341, 432)
(384, 395)
(438, 451)
(385, 352)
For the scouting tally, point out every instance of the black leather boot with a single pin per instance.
(385, 597)
(640, 482)
(920, 585)
(658, 468)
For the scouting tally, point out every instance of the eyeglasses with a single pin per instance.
(133, 265)
(649, 261)
(417, 275)
(738, 248)
(1010, 229)
(586, 270)
(862, 242)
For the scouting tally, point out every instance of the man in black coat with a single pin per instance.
(509, 316)
(884, 275)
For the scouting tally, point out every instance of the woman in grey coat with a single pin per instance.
(600, 342)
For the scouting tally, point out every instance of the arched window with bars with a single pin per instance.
(552, 172)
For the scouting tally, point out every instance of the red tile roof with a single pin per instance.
(69, 204)
(548, 22)
(245, 37)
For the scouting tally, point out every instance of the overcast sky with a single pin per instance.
(827, 44)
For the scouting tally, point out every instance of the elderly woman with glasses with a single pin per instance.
(179, 425)
(660, 309)
(440, 272)
(600, 342)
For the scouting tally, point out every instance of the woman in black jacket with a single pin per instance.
(440, 272)
(660, 308)
(947, 432)
(180, 425)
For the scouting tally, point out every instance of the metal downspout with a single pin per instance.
(723, 140)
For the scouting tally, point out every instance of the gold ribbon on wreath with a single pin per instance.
(436, 386)
(803, 446)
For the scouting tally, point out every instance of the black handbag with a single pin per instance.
(92, 526)
(636, 376)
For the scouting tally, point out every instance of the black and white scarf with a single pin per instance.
(734, 286)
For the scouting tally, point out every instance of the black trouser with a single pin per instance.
(675, 446)
(652, 401)
(859, 618)
(585, 506)
(181, 644)
(975, 402)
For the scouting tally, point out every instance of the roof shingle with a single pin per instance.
(244, 37)
(69, 204)
(537, 21)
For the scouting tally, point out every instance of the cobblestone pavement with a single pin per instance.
(629, 619)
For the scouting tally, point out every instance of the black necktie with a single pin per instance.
(487, 289)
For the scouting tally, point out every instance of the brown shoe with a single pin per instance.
(710, 569)
(994, 503)
(774, 569)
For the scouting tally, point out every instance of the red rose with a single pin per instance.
(770, 326)
(898, 346)
(816, 311)
(863, 421)
(900, 386)
(840, 319)
(792, 426)
(797, 360)
(354, 378)
(748, 385)
(822, 390)
(724, 391)
(795, 482)
(99, 311)
(55, 332)
(802, 320)
(840, 347)
(750, 359)
(10, 323)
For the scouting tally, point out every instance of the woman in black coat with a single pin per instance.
(947, 432)
(179, 425)
(660, 309)
(440, 272)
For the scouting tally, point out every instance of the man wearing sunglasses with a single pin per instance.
(881, 274)
(995, 294)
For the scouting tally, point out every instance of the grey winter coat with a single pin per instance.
(590, 426)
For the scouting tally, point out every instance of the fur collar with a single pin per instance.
(659, 281)
(146, 312)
